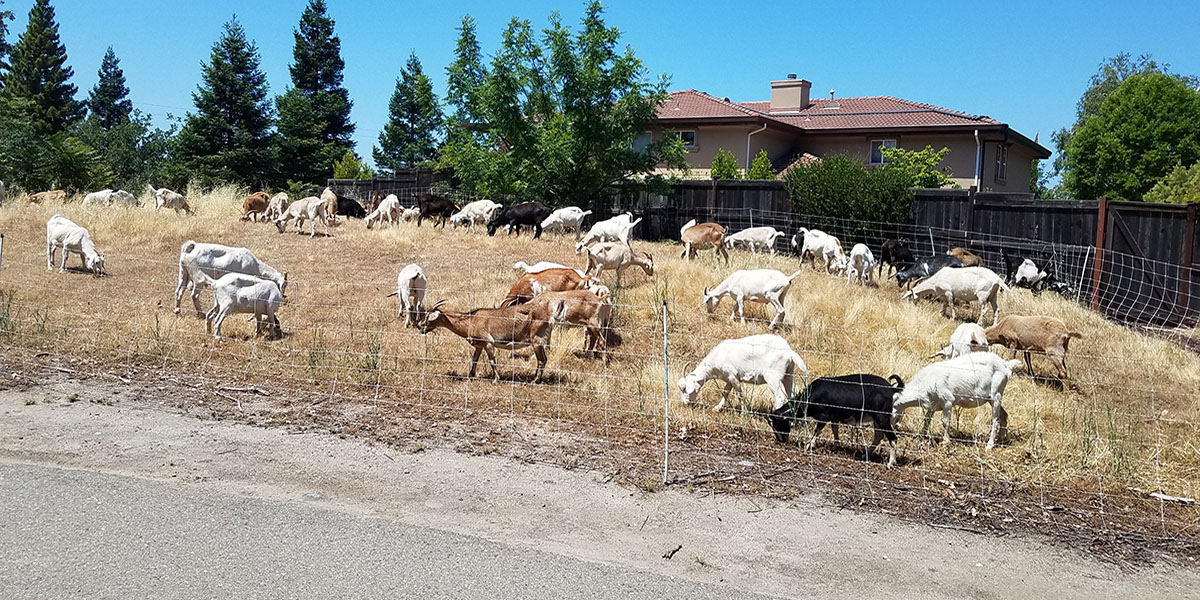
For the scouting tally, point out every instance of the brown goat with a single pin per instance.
(255, 205)
(509, 327)
(550, 280)
(701, 236)
(968, 258)
(588, 310)
(1046, 335)
(49, 196)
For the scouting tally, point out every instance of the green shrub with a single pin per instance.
(1180, 186)
(350, 167)
(761, 168)
(724, 165)
(837, 186)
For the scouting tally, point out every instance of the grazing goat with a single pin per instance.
(374, 199)
(968, 381)
(754, 238)
(239, 293)
(73, 239)
(479, 211)
(968, 258)
(696, 237)
(542, 266)
(200, 264)
(1046, 335)
(924, 267)
(896, 255)
(165, 198)
(410, 214)
(3, 194)
(526, 213)
(275, 206)
(590, 309)
(388, 210)
(617, 228)
(58, 196)
(337, 204)
(759, 359)
(1013, 263)
(963, 284)
(615, 256)
(857, 399)
(509, 327)
(967, 338)
(434, 207)
(861, 265)
(410, 291)
(761, 285)
(310, 209)
(814, 243)
(1029, 275)
(255, 205)
(565, 219)
(109, 198)
(551, 280)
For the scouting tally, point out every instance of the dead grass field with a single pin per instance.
(1132, 422)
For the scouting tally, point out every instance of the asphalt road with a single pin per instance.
(80, 534)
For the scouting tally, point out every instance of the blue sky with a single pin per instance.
(1024, 63)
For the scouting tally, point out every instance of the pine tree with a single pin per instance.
(414, 121)
(465, 77)
(5, 17)
(314, 114)
(39, 72)
(229, 137)
(109, 100)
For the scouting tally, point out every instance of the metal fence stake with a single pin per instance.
(666, 396)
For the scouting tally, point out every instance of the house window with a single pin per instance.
(688, 137)
(877, 147)
(641, 142)
(1001, 163)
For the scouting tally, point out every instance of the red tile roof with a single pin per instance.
(868, 112)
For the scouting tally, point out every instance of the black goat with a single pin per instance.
(435, 207)
(895, 254)
(925, 266)
(527, 213)
(858, 398)
(348, 207)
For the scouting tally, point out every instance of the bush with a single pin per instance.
(350, 167)
(1181, 186)
(724, 165)
(921, 166)
(837, 186)
(761, 168)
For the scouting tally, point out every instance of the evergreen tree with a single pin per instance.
(229, 137)
(410, 135)
(39, 72)
(109, 100)
(5, 17)
(761, 168)
(464, 78)
(314, 114)
(724, 165)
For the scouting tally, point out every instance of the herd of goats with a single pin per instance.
(549, 294)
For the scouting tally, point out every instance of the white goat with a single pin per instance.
(970, 380)
(861, 265)
(239, 293)
(199, 264)
(817, 243)
(311, 208)
(967, 338)
(760, 359)
(479, 212)
(754, 238)
(617, 228)
(962, 284)
(165, 198)
(3, 194)
(615, 256)
(73, 239)
(410, 214)
(1028, 274)
(564, 219)
(108, 197)
(388, 210)
(759, 285)
(410, 291)
(276, 205)
(542, 266)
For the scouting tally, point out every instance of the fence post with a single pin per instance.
(1098, 269)
(1, 250)
(1185, 272)
(666, 397)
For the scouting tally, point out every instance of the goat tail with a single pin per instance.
(895, 379)
(799, 362)
(187, 246)
(1004, 287)
(793, 276)
(635, 222)
(1074, 334)
(395, 293)
(585, 213)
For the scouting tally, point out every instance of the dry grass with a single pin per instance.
(1132, 422)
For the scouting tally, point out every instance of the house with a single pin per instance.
(792, 127)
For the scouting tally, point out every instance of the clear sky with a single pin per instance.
(1024, 63)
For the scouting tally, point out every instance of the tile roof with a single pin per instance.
(851, 113)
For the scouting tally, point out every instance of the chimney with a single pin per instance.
(790, 94)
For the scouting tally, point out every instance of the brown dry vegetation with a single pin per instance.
(1132, 421)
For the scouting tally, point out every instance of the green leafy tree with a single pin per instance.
(228, 138)
(314, 113)
(1146, 127)
(34, 161)
(109, 101)
(39, 73)
(724, 165)
(410, 136)
(837, 186)
(761, 167)
(563, 111)
(132, 150)
(1111, 72)
(921, 166)
(350, 167)
(1181, 186)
